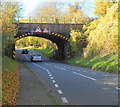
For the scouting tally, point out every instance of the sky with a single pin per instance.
(30, 5)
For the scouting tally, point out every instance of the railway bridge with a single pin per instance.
(57, 33)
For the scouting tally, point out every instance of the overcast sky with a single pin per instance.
(30, 5)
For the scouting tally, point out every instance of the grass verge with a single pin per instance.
(107, 63)
(55, 101)
(47, 51)
(10, 81)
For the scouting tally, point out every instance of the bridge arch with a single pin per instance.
(61, 41)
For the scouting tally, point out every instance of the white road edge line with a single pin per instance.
(84, 71)
(64, 100)
(27, 57)
(85, 76)
(53, 81)
(51, 77)
(49, 73)
(117, 88)
(59, 91)
(56, 85)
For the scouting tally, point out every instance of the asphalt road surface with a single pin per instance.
(75, 85)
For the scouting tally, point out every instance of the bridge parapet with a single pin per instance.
(63, 29)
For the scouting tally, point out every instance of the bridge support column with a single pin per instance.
(13, 52)
(59, 54)
(63, 52)
(67, 51)
(9, 50)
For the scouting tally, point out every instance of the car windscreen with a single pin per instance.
(37, 55)
(24, 49)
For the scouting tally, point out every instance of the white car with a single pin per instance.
(36, 57)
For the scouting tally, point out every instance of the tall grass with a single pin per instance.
(107, 63)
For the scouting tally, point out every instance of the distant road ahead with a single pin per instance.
(75, 85)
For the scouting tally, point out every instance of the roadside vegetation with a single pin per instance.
(10, 68)
(107, 63)
(96, 44)
(10, 81)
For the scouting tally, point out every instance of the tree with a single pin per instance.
(78, 41)
(9, 30)
(102, 33)
(74, 14)
(48, 13)
(101, 7)
(52, 13)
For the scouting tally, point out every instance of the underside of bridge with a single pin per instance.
(61, 41)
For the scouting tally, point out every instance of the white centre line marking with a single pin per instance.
(56, 85)
(50, 75)
(60, 68)
(47, 64)
(64, 100)
(39, 66)
(93, 73)
(105, 75)
(85, 76)
(59, 91)
(117, 88)
(53, 81)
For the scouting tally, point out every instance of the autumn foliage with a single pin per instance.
(101, 34)
(9, 30)
(98, 40)
(10, 79)
(10, 82)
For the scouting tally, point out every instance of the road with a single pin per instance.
(75, 85)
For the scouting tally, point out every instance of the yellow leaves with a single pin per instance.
(10, 86)
(103, 32)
